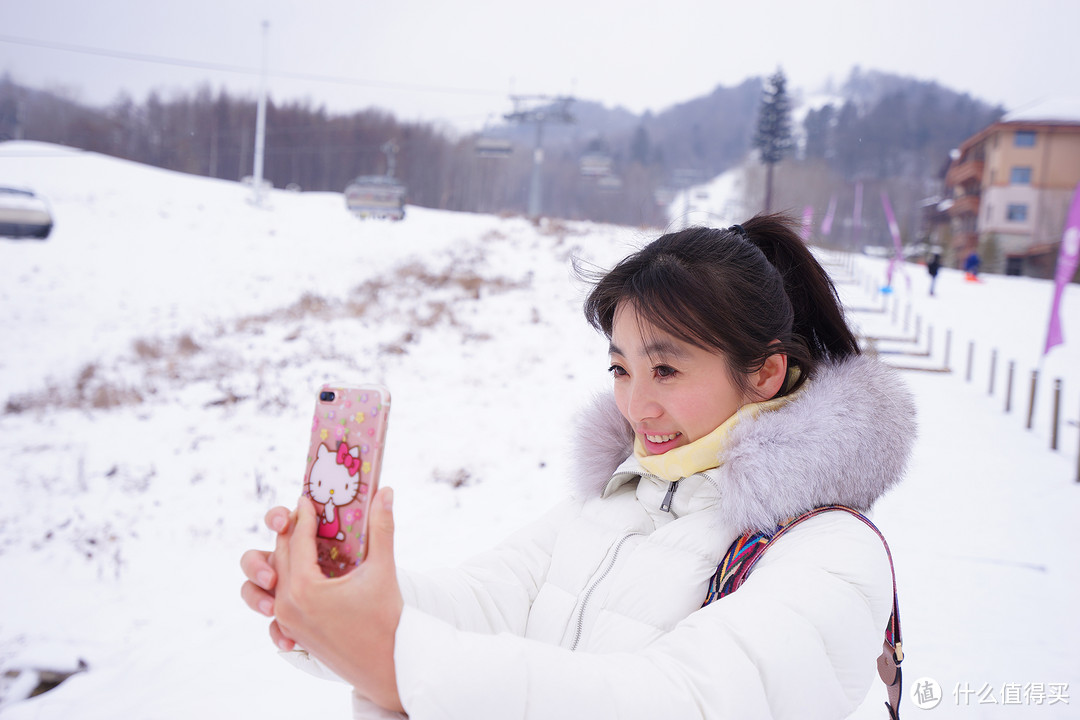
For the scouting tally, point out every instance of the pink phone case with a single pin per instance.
(344, 457)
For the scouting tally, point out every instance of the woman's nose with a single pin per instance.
(641, 403)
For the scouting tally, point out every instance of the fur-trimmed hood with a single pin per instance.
(844, 438)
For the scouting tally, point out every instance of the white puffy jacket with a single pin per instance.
(595, 610)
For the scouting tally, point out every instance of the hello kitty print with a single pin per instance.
(334, 482)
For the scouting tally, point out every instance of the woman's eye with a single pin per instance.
(664, 371)
(617, 370)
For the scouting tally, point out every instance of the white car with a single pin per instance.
(24, 214)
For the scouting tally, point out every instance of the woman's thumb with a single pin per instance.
(381, 526)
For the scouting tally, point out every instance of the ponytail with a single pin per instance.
(819, 316)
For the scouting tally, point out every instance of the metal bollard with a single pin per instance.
(1057, 414)
(948, 347)
(1031, 402)
(993, 369)
(1008, 387)
(971, 359)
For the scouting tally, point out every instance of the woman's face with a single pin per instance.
(670, 391)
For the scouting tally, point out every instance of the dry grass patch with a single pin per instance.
(454, 478)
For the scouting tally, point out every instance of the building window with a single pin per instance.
(1020, 176)
(1025, 138)
(1016, 212)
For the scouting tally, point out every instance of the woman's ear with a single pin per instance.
(769, 380)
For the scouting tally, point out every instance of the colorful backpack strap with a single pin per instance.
(749, 547)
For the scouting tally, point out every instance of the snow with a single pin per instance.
(160, 357)
(716, 203)
(1051, 110)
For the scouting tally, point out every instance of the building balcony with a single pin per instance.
(965, 173)
(964, 205)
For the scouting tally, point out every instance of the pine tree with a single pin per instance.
(818, 126)
(640, 146)
(773, 137)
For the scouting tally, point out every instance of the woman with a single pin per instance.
(740, 400)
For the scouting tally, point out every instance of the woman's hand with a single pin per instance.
(348, 623)
(259, 568)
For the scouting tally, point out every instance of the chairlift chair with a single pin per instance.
(609, 183)
(376, 196)
(595, 164)
(491, 147)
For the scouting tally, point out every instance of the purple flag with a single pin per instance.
(826, 224)
(894, 230)
(1066, 266)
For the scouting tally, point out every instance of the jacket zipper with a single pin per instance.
(597, 581)
(669, 496)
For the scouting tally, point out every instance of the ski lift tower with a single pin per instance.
(538, 110)
(260, 124)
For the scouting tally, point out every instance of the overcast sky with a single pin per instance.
(458, 61)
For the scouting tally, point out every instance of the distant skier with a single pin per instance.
(932, 267)
(971, 267)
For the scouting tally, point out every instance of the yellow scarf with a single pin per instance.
(704, 453)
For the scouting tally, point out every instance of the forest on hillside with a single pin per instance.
(877, 129)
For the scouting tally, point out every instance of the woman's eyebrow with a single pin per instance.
(662, 348)
(665, 348)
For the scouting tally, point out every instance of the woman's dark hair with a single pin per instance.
(735, 291)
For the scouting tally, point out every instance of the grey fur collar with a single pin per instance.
(844, 439)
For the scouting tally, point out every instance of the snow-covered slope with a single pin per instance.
(160, 353)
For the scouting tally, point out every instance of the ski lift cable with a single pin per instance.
(241, 69)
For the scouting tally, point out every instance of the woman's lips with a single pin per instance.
(655, 443)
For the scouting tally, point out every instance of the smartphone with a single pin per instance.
(348, 434)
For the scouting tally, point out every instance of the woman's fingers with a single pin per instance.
(258, 568)
(281, 543)
(277, 519)
(280, 639)
(258, 591)
(257, 599)
(295, 559)
(381, 530)
(299, 543)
